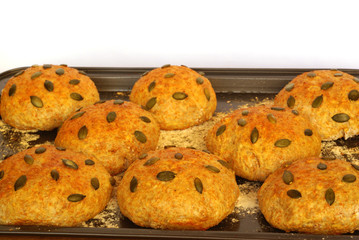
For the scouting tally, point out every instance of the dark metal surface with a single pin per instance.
(234, 87)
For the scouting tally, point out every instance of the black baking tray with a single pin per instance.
(234, 87)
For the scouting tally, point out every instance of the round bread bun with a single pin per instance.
(52, 187)
(42, 97)
(114, 132)
(312, 195)
(178, 96)
(328, 98)
(258, 140)
(178, 188)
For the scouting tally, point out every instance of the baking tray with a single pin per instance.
(234, 87)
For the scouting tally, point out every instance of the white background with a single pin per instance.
(239, 34)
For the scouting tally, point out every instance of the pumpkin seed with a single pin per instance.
(133, 184)
(40, 150)
(338, 74)
(112, 181)
(55, 175)
(75, 197)
(35, 75)
(95, 183)
(69, 163)
(46, 66)
(166, 65)
(224, 163)
(353, 95)
(277, 108)
(355, 166)
(201, 73)
(118, 102)
(212, 168)
(206, 151)
(35, 65)
(295, 112)
(349, 178)
(179, 156)
(199, 80)
(221, 130)
(145, 73)
(60, 71)
(271, 118)
(111, 116)
(330, 196)
(99, 102)
(245, 113)
(145, 119)
(19, 73)
(82, 134)
(151, 161)
(166, 176)
(89, 162)
(76, 96)
(61, 148)
(29, 159)
(327, 85)
(322, 166)
(198, 185)
(287, 177)
(207, 93)
(140, 136)
(142, 156)
(12, 90)
(291, 101)
(151, 86)
(179, 95)
(241, 122)
(317, 101)
(152, 102)
(20, 182)
(295, 194)
(169, 146)
(83, 73)
(169, 75)
(36, 101)
(74, 81)
(254, 135)
(2, 173)
(311, 74)
(356, 80)
(49, 86)
(308, 132)
(77, 115)
(282, 143)
(289, 87)
(341, 117)
(64, 65)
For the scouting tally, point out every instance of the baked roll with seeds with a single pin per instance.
(258, 140)
(53, 187)
(313, 196)
(114, 132)
(178, 188)
(178, 96)
(328, 98)
(42, 97)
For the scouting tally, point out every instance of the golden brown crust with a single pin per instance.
(316, 211)
(308, 86)
(199, 99)
(53, 89)
(176, 204)
(44, 200)
(255, 159)
(113, 143)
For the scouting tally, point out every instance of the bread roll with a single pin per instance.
(177, 96)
